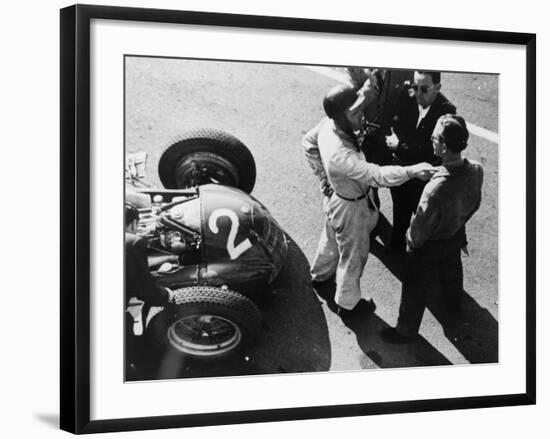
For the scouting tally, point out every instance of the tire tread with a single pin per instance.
(225, 303)
(226, 145)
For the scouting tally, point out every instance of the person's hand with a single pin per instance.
(326, 189)
(422, 171)
(392, 141)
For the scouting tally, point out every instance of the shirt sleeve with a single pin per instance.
(480, 176)
(352, 164)
(310, 148)
(424, 222)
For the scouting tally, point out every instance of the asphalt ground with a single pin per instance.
(270, 107)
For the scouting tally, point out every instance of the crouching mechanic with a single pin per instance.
(333, 153)
(437, 233)
(141, 293)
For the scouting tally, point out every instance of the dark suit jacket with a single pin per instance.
(140, 282)
(381, 112)
(415, 144)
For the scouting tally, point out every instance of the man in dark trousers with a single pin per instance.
(418, 111)
(333, 153)
(437, 231)
(141, 292)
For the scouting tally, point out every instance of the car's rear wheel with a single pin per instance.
(206, 322)
(205, 155)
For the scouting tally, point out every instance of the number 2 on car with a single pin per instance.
(234, 250)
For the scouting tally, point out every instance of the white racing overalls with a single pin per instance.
(350, 215)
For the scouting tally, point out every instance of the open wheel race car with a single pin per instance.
(210, 241)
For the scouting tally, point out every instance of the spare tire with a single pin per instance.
(205, 155)
(205, 323)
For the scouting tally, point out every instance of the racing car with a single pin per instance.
(211, 242)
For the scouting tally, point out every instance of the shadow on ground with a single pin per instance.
(419, 353)
(473, 331)
(367, 330)
(294, 337)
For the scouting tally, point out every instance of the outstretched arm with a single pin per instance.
(352, 163)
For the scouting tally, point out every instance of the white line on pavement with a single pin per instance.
(341, 77)
(482, 132)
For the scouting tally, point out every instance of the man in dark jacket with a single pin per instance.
(437, 231)
(379, 112)
(419, 109)
(141, 292)
(140, 283)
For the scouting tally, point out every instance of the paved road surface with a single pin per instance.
(270, 107)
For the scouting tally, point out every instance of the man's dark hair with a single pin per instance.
(131, 214)
(455, 132)
(436, 76)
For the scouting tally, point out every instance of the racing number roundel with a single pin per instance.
(234, 250)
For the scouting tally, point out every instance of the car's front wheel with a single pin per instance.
(206, 322)
(205, 155)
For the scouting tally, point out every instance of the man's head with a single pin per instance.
(450, 135)
(426, 87)
(345, 106)
(131, 217)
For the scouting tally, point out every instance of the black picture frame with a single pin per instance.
(75, 217)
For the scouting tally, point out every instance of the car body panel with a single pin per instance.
(241, 245)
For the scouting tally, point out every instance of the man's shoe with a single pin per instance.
(391, 335)
(321, 287)
(364, 306)
(325, 289)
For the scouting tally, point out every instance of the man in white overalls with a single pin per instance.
(350, 214)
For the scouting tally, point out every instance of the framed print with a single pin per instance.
(268, 218)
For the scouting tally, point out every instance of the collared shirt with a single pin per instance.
(448, 201)
(415, 144)
(422, 113)
(332, 154)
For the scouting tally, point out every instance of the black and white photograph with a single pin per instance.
(275, 219)
(294, 218)
(272, 219)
